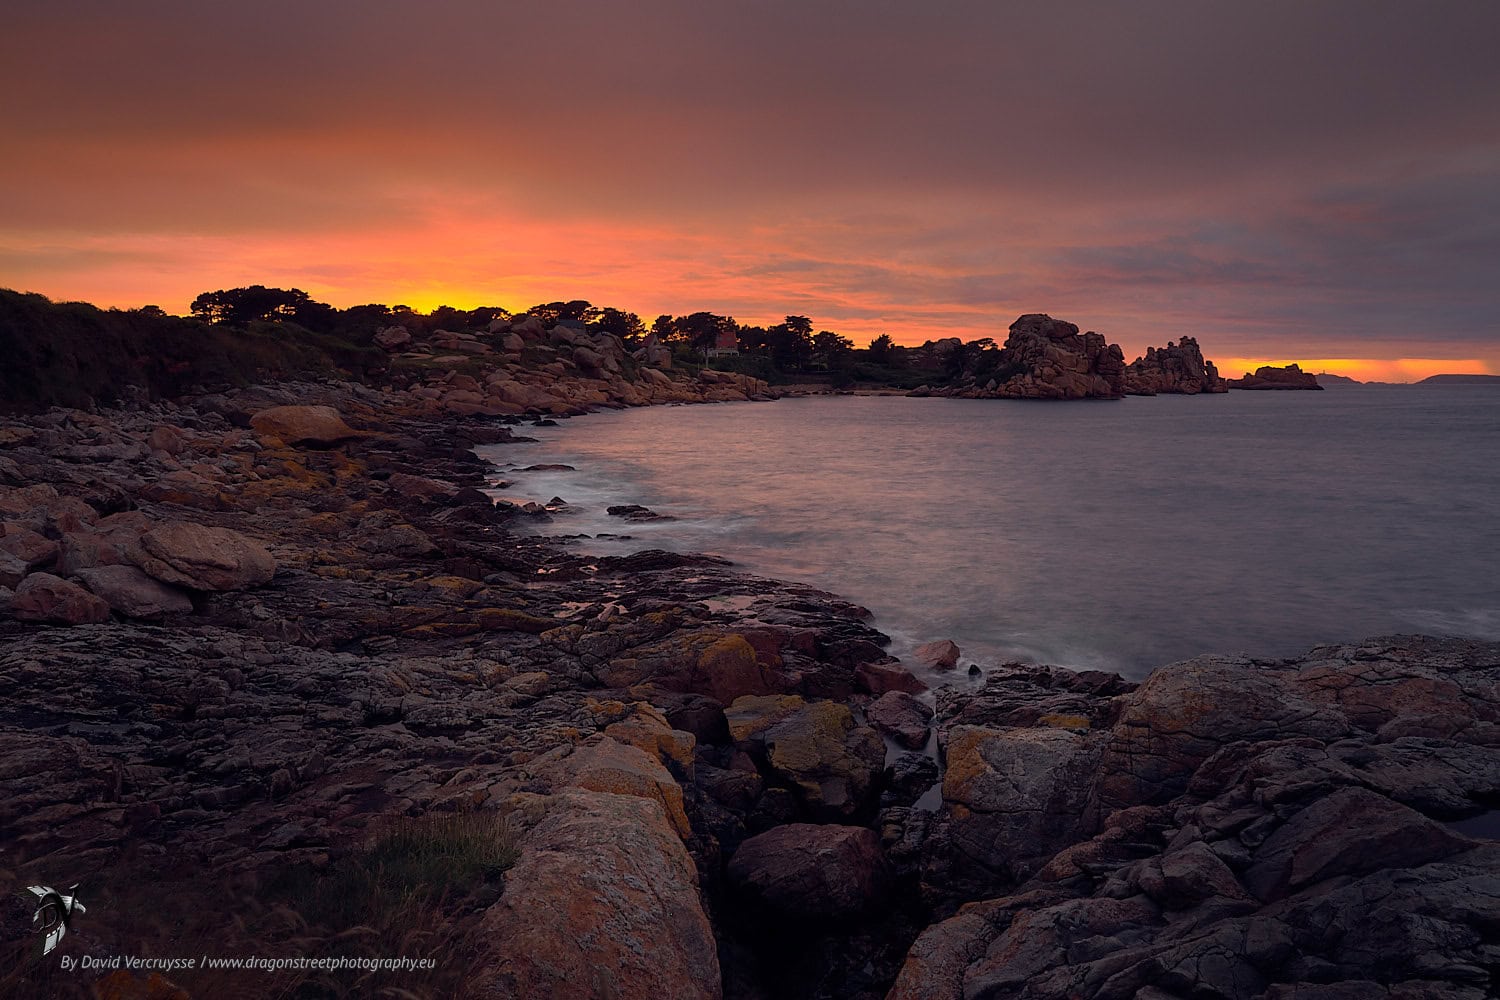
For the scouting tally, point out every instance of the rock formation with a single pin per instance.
(1176, 368)
(1045, 358)
(1270, 377)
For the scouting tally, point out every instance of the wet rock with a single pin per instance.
(42, 597)
(203, 558)
(602, 904)
(901, 717)
(940, 655)
(812, 872)
(878, 678)
(130, 592)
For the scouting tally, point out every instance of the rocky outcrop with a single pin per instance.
(1270, 377)
(1177, 368)
(603, 904)
(1253, 829)
(1045, 358)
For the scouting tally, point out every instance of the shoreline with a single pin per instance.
(665, 720)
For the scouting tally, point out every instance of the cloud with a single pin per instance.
(1267, 176)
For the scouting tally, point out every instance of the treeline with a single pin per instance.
(74, 354)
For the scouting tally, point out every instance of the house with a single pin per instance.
(725, 344)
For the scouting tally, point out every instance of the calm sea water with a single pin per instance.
(1122, 535)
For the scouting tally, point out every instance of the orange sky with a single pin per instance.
(1250, 175)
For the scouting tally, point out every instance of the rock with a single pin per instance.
(1351, 832)
(602, 905)
(635, 512)
(203, 558)
(1186, 712)
(1271, 377)
(1045, 358)
(940, 655)
(878, 678)
(13, 569)
(831, 762)
(314, 425)
(421, 487)
(168, 440)
(133, 594)
(912, 775)
(399, 540)
(812, 872)
(42, 597)
(1016, 795)
(608, 765)
(1176, 368)
(393, 338)
(901, 717)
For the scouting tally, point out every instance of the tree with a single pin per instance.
(259, 303)
(829, 347)
(791, 342)
(575, 311)
(881, 349)
(625, 325)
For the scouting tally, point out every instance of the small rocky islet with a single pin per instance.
(241, 633)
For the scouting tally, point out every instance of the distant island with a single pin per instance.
(1460, 380)
(1328, 379)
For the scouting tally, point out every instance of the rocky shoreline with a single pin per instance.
(243, 634)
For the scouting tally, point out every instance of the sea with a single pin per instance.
(1121, 535)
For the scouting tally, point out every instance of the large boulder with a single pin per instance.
(42, 597)
(810, 872)
(203, 558)
(133, 594)
(1016, 795)
(314, 425)
(603, 903)
(393, 338)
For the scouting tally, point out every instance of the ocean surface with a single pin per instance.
(1120, 535)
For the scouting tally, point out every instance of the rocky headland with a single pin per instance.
(245, 636)
(1271, 377)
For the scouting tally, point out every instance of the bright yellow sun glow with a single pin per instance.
(1363, 369)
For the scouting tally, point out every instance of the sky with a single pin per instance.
(1287, 180)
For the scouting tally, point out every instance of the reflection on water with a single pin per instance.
(1120, 535)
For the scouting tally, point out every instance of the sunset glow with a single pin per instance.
(678, 160)
(1363, 369)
